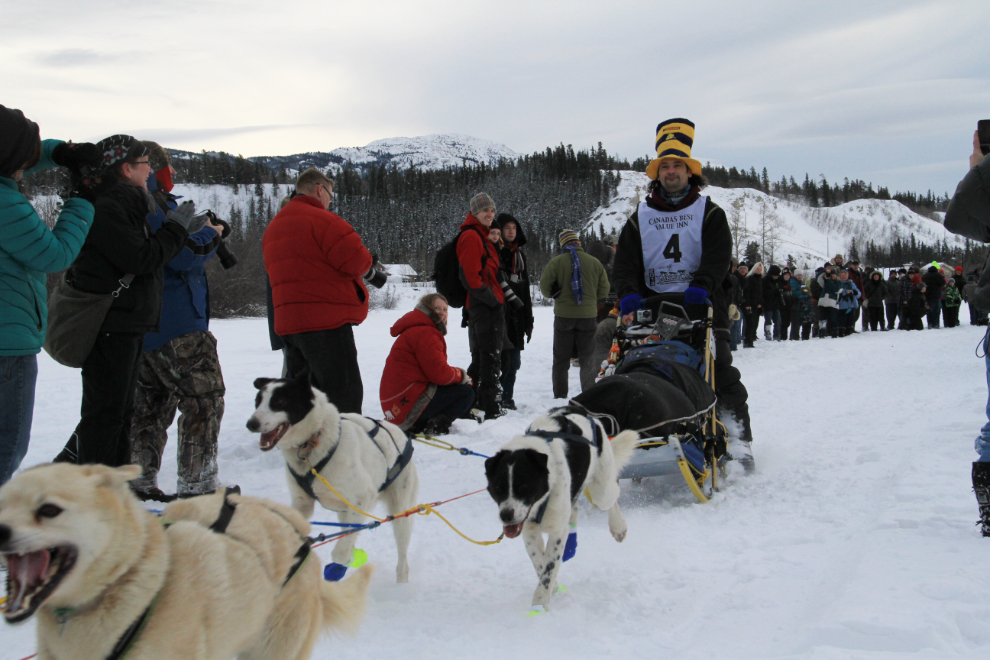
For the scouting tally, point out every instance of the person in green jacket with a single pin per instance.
(576, 281)
(29, 250)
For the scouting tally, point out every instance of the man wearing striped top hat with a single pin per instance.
(678, 245)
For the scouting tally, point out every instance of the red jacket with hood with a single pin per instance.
(316, 263)
(479, 274)
(415, 366)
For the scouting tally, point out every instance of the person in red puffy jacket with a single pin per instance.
(318, 265)
(420, 392)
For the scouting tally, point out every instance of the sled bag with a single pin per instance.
(74, 320)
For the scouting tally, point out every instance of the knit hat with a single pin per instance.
(157, 156)
(119, 148)
(773, 270)
(495, 225)
(958, 269)
(567, 236)
(675, 137)
(19, 137)
(480, 202)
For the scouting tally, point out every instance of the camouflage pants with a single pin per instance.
(185, 374)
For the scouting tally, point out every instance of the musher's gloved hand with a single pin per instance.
(183, 216)
(694, 295)
(198, 222)
(631, 303)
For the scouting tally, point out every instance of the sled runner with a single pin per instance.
(660, 382)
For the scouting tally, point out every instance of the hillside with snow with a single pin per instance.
(428, 152)
(810, 235)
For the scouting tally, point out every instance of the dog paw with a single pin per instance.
(619, 534)
(536, 610)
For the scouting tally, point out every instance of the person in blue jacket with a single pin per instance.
(29, 250)
(179, 368)
(848, 300)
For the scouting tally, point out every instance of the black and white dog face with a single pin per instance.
(280, 404)
(517, 479)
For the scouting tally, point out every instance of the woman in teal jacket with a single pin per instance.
(28, 250)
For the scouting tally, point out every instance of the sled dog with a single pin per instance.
(306, 604)
(361, 458)
(107, 579)
(536, 479)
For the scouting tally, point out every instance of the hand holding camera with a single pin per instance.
(77, 158)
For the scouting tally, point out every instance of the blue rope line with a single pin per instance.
(467, 452)
(336, 524)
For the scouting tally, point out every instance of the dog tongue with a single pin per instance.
(512, 531)
(28, 570)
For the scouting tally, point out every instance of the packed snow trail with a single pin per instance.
(854, 539)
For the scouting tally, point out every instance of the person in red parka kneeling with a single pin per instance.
(420, 392)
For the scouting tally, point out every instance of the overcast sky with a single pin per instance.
(889, 92)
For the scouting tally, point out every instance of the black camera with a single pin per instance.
(227, 258)
(644, 316)
(510, 296)
(983, 133)
(376, 278)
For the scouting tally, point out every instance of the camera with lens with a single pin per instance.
(644, 316)
(227, 258)
(510, 296)
(376, 276)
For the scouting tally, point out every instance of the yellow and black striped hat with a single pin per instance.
(675, 137)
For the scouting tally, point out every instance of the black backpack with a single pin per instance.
(446, 273)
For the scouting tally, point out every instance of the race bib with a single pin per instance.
(671, 245)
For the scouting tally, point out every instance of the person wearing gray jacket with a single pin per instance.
(969, 215)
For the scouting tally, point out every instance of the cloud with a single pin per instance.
(70, 57)
(173, 135)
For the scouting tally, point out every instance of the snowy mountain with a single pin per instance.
(428, 152)
(810, 235)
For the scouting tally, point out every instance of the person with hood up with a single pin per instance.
(28, 251)
(803, 314)
(420, 392)
(736, 316)
(917, 307)
(874, 295)
(828, 302)
(179, 368)
(848, 305)
(519, 321)
(890, 299)
(772, 302)
(752, 296)
(934, 283)
(953, 300)
(121, 242)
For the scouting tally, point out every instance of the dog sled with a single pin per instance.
(659, 380)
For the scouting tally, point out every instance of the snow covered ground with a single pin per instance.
(854, 539)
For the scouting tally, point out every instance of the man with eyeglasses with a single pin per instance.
(318, 266)
(120, 243)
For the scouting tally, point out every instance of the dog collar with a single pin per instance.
(568, 433)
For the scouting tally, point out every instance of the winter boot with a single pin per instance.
(438, 425)
(981, 486)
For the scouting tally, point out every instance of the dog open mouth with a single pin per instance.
(512, 531)
(270, 439)
(32, 577)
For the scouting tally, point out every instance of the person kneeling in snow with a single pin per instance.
(420, 392)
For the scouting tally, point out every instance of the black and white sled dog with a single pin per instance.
(361, 458)
(536, 479)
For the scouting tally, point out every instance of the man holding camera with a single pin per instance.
(969, 215)
(577, 281)
(179, 368)
(678, 244)
(318, 268)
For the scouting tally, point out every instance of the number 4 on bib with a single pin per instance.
(673, 249)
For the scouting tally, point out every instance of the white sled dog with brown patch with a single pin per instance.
(536, 479)
(362, 459)
(106, 578)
